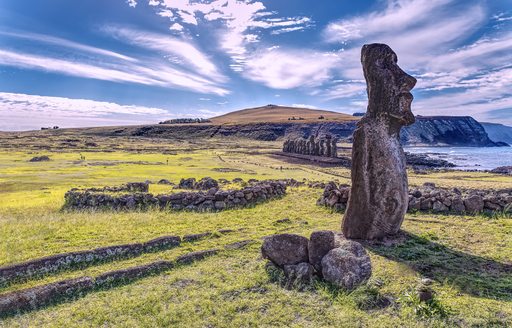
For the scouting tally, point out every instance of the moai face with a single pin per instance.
(388, 86)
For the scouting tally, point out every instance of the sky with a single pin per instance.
(116, 62)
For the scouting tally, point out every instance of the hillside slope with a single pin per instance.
(280, 114)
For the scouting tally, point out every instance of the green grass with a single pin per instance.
(468, 257)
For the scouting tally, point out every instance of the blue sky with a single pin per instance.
(98, 62)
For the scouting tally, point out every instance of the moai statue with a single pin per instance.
(322, 147)
(334, 148)
(379, 196)
(311, 143)
(328, 144)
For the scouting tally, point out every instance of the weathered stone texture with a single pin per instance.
(378, 198)
(285, 249)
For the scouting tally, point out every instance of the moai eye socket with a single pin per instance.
(380, 63)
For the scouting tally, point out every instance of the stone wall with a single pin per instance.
(430, 198)
(128, 187)
(211, 200)
(59, 262)
(322, 146)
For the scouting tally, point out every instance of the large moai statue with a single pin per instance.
(378, 196)
(334, 149)
(328, 145)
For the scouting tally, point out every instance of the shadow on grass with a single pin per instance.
(471, 274)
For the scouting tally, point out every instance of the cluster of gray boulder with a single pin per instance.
(128, 187)
(206, 183)
(321, 146)
(211, 200)
(327, 255)
(432, 199)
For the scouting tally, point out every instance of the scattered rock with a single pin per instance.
(285, 249)
(195, 256)
(187, 183)
(206, 184)
(197, 236)
(165, 182)
(320, 243)
(238, 244)
(347, 266)
(298, 276)
(43, 158)
(285, 220)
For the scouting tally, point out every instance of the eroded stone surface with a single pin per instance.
(379, 196)
(347, 266)
(285, 249)
(320, 243)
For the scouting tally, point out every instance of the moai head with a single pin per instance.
(388, 86)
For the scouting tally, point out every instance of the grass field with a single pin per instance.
(469, 257)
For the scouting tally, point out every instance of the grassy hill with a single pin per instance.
(280, 114)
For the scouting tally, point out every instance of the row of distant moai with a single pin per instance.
(322, 146)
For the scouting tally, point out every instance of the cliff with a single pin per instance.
(498, 132)
(447, 130)
(272, 122)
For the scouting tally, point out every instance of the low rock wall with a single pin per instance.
(429, 198)
(59, 262)
(33, 298)
(211, 200)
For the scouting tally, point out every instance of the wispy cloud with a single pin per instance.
(180, 51)
(60, 42)
(239, 21)
(431, 40)
(23, 112)
(170, 63)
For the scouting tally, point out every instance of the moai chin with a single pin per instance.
(379, 196)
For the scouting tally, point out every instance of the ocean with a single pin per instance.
(469, 158)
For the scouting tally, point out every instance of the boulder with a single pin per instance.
(298, 275)
(206, 184)
(43, 158)
(457, 205)
(285, 249)
(320, 243)
(347, 266)
(439, 207)
(474, 203)
(187, 183)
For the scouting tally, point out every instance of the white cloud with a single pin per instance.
(176, 27)
(286, 69)
(305, 106)
(239, 18)
(24, 112)
(169, 45)
(155, 74)
(47, 39)
(131, 3)
(430, 38)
